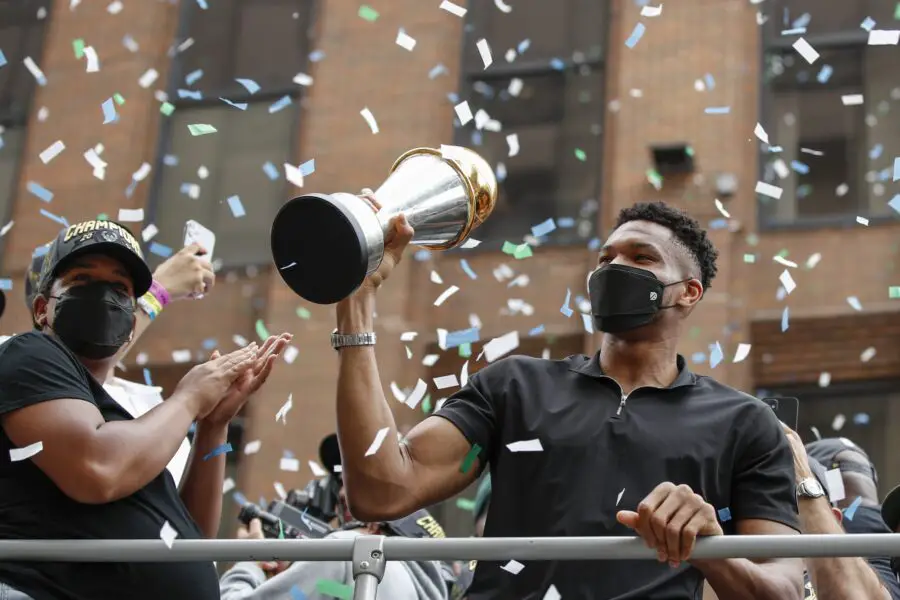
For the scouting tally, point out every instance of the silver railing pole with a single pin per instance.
(560, 548)
(368, 566)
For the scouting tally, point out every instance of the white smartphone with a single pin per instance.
(195, 233)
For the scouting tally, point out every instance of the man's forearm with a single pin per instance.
(201, 489)
(362, 411)
(836, 577)
(742, 579)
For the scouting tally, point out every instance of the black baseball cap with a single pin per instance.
(330, 453)
(33, 275)
(97, 237)
(890, 509)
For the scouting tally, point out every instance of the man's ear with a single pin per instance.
(693, 293)
(39, 310)
(838, 514)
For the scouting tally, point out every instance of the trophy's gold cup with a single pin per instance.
(324, 245)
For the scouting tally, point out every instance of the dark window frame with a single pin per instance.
(471, 72)
(772, 43)
(176, 75)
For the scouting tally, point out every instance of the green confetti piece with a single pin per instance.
(465, 504)
(368, 13)
(280, 530)
(897, 12)
(119, 99)
(509, 248)
(261, 330)
(303, 313)
(201, 129)
(782, 253)
(894, 291)
(103, 217)
(335, 589)
(78, 47)
(750, 258)
(689, 151)
(426, 404)
(465, 350)
(469, 460)
(753, 239)
(167, 109)
(580, 155)
(522, 251)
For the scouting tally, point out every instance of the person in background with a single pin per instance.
(81, 467)
(182, 275)
(482, 501)
(890, 512)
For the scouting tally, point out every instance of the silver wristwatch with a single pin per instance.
(810, 488)
(342, 340)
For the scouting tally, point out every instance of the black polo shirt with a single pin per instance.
(597, 445)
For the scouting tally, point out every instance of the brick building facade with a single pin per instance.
(592, 109)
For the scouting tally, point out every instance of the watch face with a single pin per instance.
(811, 488)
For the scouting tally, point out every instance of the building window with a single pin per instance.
(248, 53)
(545, 86)
(21, 36)
(831, 157)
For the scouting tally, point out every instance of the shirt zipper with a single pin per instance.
(626, 396)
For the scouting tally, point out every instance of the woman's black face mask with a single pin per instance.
(625, 298)
(94, 320)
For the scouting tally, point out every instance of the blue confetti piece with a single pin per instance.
(109, 111)
(724, 514)
(193, 428)
(698, 358)
(717, 110)
(193, 77)
(565, 222)
(850, 511)
(240, 498)
(896, 175)
(710, 82)
(422, 255)
(468, 270)
(477, 138)
(202, 4)
(288, 454)
(565, 309)
(453, 97)
(542, 229)
(251, 86)
(170, 160)
(160, 250)
(523, 46)
(237, 105)
(785, 317)
(867, 24)
(316, 56)
(297, 593)
(588, 322)
(190, 94)
(271, 171)
(237, 209)
(884, 175)
(2, 58)
(147, 380)
(539, 330)
(130, 189)
(875, 152)
(223, 449)
(636, 35)
(718, 224)
(280, 104)
(6, 284)
(436, 71)
(1, 142)
(463, 336)
(557, 64)
(39, 191)
(824, 74)
(41, 251)
(715, 355)
(800, 167)
(61, 220)
(210, 344)
(861, 419)
(308, 168)
(594, 244)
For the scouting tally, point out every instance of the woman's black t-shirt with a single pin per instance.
(35, 368)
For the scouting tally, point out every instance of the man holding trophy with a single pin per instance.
(626, 442)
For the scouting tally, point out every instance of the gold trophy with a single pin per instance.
(324, 245)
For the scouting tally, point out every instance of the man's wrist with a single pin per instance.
(356, 313)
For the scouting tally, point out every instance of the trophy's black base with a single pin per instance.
(319, 248)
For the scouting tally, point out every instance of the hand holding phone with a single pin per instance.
(195, 233)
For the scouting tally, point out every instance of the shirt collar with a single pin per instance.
(591, 367)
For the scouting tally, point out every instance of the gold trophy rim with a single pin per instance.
(470, 189)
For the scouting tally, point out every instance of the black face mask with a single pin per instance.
(625, 298)
(94, 320)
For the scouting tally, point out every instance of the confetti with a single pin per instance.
(280, 104)
(289, 464)
(787, 281)
(168, 534)
(635, 36)
(896, 175)
(769, 190)
(131, 215)
(501, 346)
(228, 485)
(93, 61)
(716, 355)
(35, 71)
(651, 11)
(160, 250)
(835, 484)
(148, 78)
(281, 415)
(552, 593)
(742, 352)
(850, 511)
(416, 395)
(526, 446)
(316, 469)
(223, 449)
(52, 151)
(109, 111)
(290, 354)
(335, 589)
(785, 318)
(446, 294)
(201, 129)
(370, 119)
(237, 209)
(724, 514)
(463, 112)
(252, 447)
(513, 567)
(453, 9)
(405, 41)
(717, 110)
(40, 191)
(880, 37)
(78, 47)
(470, 458)
(804, 49)
(484, 50)
(445, 381)
(852, 99)
(854, 303)
(367, 13)
(20, 454)
(297, 593)
(379, 439)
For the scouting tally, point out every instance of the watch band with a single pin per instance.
(343, 340)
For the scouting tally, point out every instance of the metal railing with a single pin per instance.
(369, 553)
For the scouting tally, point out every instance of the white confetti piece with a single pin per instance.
(806, 51)
(6, 228)
(295, 174)
(619, 497)
(813, 260)
(453, 9)
(281, 415)
(526, 446)
(227, 485)
(838, 422)
(52, 151)
(93, 61)
(398, 394)
(417, 394)
(149, 232)
(854, 303)
(290, 354)
(408, 336)
(742, 352)
(379, 439)
(142, 172)
(114, 8)
(552, 592)
(767, 189)
(484, 50)
(148, 78)
(470, 243)
(787, 281)
(252, 447)
(463, 112)
(131, 215)
(501, 346)
(512, 140)
(862, 221)
(446, 294)
(142, 358)
(781, 169)
(181, 356)
(760, 133)
(405, 41)
(446, 381)
(783, 261)
(852, 99)
(317, 469)
(515, 87)
(824, 379)
(868, 354)
(884, 37)
(20, 454)
(464, 374)
(436, 278)
(721, 209)
(370, 119)
(168, 534)
(835, 483)
(35, 71)
(513, 566)
(303, 79)
(651, 11)
(289, 464)
(280, 489)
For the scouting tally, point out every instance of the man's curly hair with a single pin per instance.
(687, 231)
